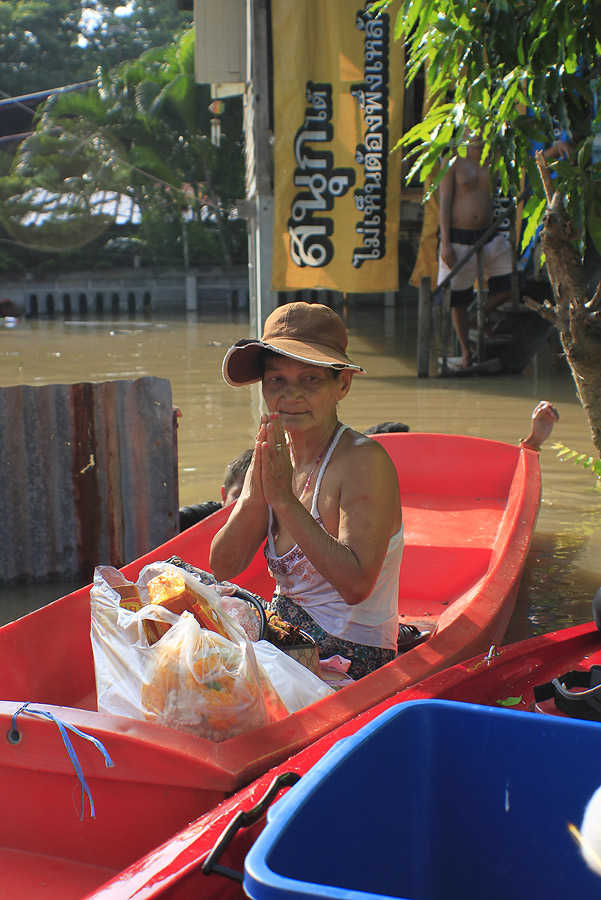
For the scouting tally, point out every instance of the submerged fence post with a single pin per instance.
(480, 323)
(424, 328)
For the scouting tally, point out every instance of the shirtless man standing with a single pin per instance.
(465, 212)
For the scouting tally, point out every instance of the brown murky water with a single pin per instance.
(564, 566)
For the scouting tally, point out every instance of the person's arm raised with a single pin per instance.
(237, 542)
(544, 417)
(369, 513)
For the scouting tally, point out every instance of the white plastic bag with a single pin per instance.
(207, 685)
(121, 650)
(297, 686)
(181, 680)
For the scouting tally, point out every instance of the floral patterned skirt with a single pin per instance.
(364, 659)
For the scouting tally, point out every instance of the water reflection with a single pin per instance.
(564, 566)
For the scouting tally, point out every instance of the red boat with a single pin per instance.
(205, 861)
(469, 507)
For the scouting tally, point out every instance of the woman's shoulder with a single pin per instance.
(364, 468)
(363, 449)
(360, 439)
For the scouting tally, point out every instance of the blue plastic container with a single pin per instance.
(437, 800)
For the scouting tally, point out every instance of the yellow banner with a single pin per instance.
(338, 111)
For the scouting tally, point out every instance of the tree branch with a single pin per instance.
(595, 301)
(546, 309)
(543, 168)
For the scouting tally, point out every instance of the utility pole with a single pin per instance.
(259, 167)
(232, 55)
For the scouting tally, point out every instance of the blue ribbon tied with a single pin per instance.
(63, 727)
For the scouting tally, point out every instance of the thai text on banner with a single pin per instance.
(338, 111)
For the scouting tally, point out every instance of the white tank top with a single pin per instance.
(374, 621)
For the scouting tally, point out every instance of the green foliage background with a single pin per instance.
(141, 130)
(50, 43)
(517, 72)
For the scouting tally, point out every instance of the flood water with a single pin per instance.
(564, 565)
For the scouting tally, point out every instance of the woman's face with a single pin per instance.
(305, 396)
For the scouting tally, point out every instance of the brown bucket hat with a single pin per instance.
(309, 332)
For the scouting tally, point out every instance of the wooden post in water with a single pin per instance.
(191, 293)
(480, 307)
(445, 328)
(424, 320)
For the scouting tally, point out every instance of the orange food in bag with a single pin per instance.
(130, 599)
(205, 684)
(172, 592)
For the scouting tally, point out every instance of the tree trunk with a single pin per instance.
(575, 315)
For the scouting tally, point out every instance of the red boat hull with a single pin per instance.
(174, 870)
(469, 507)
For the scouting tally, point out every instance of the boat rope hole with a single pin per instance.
(13, 736)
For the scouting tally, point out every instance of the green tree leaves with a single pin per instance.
(140, 131)
(579, 459)
(50, 43)
(516, 72)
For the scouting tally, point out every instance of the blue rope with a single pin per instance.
(62, 727)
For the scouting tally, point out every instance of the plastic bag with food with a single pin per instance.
(208, 685)
(188, 676)
(123, 629)
(178, 591)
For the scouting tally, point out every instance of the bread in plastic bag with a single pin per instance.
(171, 590)
(168, 585)
(297, 686)
(124, 661)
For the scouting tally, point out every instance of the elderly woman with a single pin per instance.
(325, 496)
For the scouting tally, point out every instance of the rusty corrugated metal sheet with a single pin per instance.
(88, 476)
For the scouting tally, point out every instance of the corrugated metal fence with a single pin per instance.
(88, 476)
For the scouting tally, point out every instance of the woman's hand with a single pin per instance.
(237, 542)
(544, 417)
(253, 482)
(276, 465)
